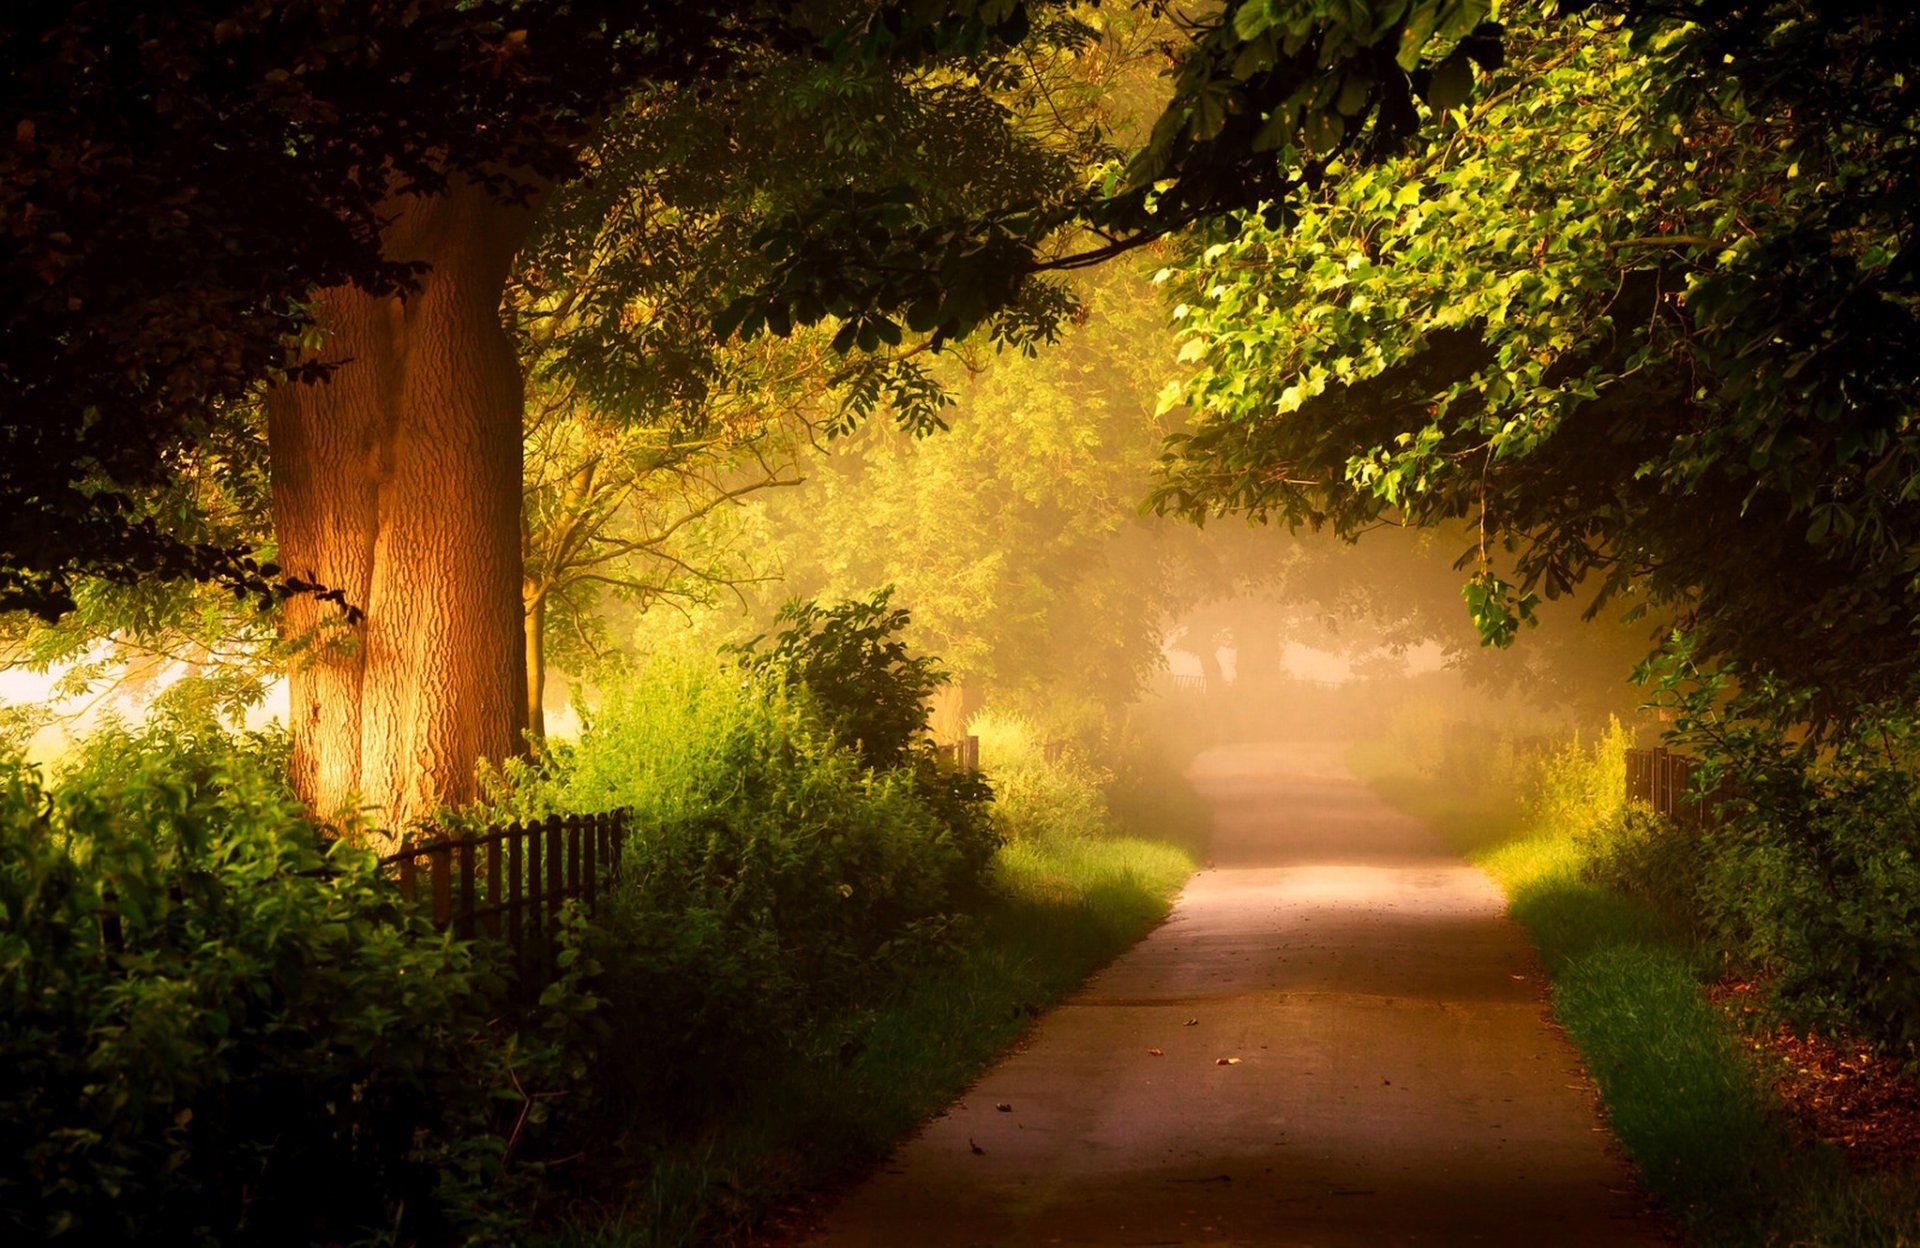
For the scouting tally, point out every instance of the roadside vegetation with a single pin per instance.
(1636, 919)
(229, 1028)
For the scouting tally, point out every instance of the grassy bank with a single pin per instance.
(1683, 1094)
(1060, 909)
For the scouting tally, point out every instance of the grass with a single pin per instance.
(1062, 908)
(1682, 1092)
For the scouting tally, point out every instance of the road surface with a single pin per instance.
(1336, 1039)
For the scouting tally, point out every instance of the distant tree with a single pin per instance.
(1014, 536)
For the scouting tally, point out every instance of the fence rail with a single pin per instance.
(1666, 781)
(508, 883)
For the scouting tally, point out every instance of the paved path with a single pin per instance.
(1397, 1081)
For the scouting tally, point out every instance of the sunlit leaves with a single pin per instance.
(1631, 314)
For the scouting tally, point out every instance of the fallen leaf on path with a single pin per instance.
(1193, 1022)
(1155, 1053)
(1004, 1108)
(1228, 1061)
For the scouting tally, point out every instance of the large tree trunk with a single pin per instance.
(397, 482)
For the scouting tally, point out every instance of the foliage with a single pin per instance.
(870, 690)
(1580, 787)
(776, 874)
(1655, 860)
(1037, 798)
(1632, 316)
(644, 423)
(221, 1027)
(1813, 882)
(1264, 99)
(1014, 536)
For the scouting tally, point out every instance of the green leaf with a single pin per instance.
(1250, 20)
(1451, 85)
(1419, 28)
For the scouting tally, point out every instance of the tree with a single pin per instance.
(390, 156)
(181, 178)
(1641, 323)
(1013, 536)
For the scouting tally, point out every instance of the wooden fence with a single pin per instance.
(964, 753)
(507, 883)
(1666, 781)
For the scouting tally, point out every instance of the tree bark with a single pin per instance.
(397, 482)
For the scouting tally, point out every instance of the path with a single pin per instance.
(1397, 1081)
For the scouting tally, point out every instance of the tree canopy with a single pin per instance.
(1645, 322)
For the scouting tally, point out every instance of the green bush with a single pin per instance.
(1813, 881)
(1035, 799)
(870, 692)
(219, 1027)
(1646, 855)
(1580, 788)
(776, 874)
(1822, 896)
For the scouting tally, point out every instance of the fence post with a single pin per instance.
(515, 874)
(440, 873)
(556, 885)
(493, 883)
(534, 842)
(463, 916)
(589, 866)
(572, 825)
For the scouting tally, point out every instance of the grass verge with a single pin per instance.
(1684, 1097)
(1061, 909)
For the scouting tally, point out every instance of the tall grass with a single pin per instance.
(1684, 1095)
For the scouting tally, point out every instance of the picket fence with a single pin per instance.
(508, 883)
(1665, 781)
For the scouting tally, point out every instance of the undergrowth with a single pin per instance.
(1067, 892)
(222, 1024)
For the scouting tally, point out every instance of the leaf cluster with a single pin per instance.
(1633, 318)
(223, 1027)
(851, 658)
(179, 179)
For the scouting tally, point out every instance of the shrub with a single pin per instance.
(1648, 856)
(1813, 883)
(1035, 799)
(775, 874)
(870, 692)
(1580, 788)
(1816, 885)
(219, 1026)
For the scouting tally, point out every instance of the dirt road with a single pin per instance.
(1390, 1075)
